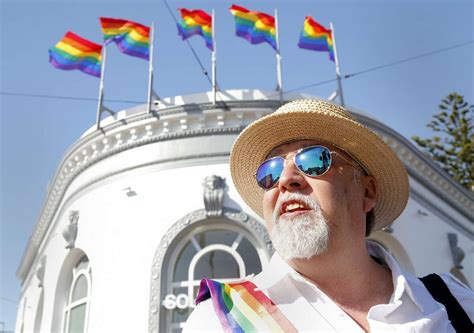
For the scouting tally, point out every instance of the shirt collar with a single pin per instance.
(401, 281)
(277, 269)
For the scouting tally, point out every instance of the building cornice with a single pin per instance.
(425, 171)
(138, 130)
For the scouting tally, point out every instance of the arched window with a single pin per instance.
(222, 251)
(75, 313)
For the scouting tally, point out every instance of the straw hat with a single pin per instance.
(320, 121)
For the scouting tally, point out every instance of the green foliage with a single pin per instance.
(452, 147)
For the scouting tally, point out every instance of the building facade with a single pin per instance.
(140, 211)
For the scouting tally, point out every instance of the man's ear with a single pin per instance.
(370, 192)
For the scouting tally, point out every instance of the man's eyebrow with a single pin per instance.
(278, 151)
(274, 152)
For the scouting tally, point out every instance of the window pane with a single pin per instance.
(77, 319)
(181, 303)
(216, 265)
(182, 298)
(180, 315)
(195, 292)
(66, 313)
(250, 256)
(226, 237)
(80, 288)
(182, 263)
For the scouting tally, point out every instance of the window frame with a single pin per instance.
(69, 304)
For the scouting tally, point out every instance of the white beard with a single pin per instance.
(302, 236)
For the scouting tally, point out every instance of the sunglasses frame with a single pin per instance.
(297, 167)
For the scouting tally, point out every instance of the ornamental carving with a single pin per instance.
(70, 231)
(214, 190)
(456, 252)
(40, 271)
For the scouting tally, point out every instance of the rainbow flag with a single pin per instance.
(74, 52)
(316, 37)
(242, 308)
(196, 22)
(254, 26)
(131, 38)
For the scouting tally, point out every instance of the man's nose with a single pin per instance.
(291, 178)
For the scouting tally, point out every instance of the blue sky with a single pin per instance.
(35, 132)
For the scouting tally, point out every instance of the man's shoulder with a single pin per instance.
(463, 294)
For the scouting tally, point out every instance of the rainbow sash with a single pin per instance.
(242, 308)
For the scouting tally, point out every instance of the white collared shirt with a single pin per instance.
(411, 307)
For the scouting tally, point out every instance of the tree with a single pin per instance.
(453, 148)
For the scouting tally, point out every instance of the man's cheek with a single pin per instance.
(269, 203)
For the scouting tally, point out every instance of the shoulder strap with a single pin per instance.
(440, 292)
(241, 307)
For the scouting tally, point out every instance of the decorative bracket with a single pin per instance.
(457, 253)
(70, 231)
(213, 194)
(40, 271)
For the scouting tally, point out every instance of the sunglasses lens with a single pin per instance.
(314, 161)
(269, 172)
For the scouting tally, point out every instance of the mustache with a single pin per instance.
(287, 196)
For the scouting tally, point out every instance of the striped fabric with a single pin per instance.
(242, 308)
(75, 52)
(131, 38)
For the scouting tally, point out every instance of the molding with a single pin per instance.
(425, 171)
(440, 213)
(172, 236)
(172, 123)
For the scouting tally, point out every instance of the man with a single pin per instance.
(322, 182)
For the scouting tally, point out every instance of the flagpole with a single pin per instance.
(278, 59)
(101, 87)
(214, 89)
(336, 60)
(150, 68)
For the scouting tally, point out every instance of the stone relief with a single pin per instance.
(70, 231)
(40, 271)
(214, 188)
(457, 253)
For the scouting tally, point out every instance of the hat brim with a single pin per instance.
(257, 140)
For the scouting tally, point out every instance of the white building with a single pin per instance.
(139, 212)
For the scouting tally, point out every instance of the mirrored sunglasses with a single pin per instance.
(313, 161)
